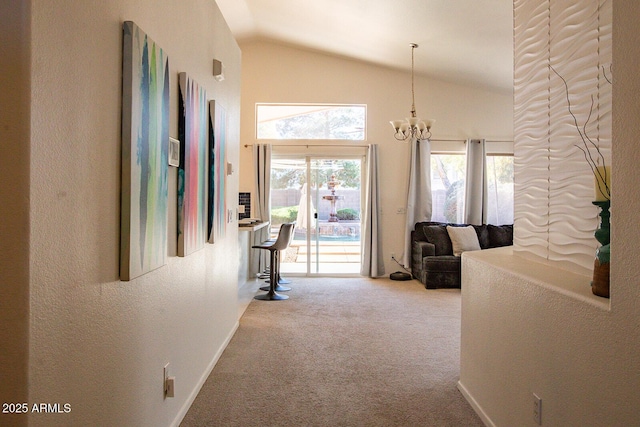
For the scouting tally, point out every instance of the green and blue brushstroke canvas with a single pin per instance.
(145, 139)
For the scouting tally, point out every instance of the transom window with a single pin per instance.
(311, 121)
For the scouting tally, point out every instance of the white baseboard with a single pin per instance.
(476, 407)
(187, 404)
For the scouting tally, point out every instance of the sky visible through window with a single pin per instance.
(307, 121)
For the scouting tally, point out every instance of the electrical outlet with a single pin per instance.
(165, 379)
(171, 384)
(537, 409)
(393, 255)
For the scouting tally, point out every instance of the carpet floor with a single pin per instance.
(341, 352)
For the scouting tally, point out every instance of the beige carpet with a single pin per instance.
(341, 352)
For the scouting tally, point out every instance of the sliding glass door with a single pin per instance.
(324, 197)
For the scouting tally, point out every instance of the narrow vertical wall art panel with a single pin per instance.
(192, 129)
(574, 56)
(531, 147)
(605, 78)
(217, 171)
(571, 103)
(145, 139)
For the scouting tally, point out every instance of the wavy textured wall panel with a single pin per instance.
(531, 100)
(561, 47)
(574, 55)
(605, 77)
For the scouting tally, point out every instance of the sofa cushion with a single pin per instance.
(437, 234)
(500, 235)
(483, 235)
(463, 239)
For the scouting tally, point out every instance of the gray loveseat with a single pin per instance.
(432, 258)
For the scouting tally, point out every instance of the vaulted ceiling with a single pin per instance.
(466, 41)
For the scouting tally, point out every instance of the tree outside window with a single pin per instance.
(448, 186)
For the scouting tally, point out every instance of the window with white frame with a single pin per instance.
(499, 189)
(447, 187)
(311, 121)
(448, 170)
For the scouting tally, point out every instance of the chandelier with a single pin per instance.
(412, 127)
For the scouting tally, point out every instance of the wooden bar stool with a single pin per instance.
(275, 247)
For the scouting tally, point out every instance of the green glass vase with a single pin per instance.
(601, 264)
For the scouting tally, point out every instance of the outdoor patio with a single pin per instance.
(330, 257)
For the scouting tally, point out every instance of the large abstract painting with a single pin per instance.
(192, 129)
(217, 171)
(145, 139)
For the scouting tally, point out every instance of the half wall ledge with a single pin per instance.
(542, 272)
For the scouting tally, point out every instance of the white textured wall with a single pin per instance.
(555, 219)
(277, 73)
(533, 328)
(95, 342)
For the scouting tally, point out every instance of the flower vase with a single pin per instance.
(600, 283)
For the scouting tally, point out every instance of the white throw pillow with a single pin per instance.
(463, 239)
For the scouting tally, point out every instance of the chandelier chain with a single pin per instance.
(413, 93)
(413, 127)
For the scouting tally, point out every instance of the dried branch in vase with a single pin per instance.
(589, 148)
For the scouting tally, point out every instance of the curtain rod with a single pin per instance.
(366, 145)
(464, 140)
(313, 145)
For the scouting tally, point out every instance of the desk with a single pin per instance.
(246, 239)
(253, 227)
(248, 267)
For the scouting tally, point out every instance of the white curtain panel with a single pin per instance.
(475, 190)
(262, 166)
(372, 263)
(419, 200)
